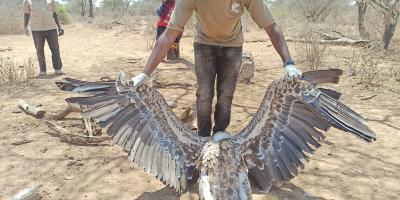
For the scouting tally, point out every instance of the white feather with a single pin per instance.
(205, 188)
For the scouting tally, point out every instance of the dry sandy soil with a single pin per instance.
(343, 168)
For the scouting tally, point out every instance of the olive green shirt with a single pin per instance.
(41, 14)
(218, 22)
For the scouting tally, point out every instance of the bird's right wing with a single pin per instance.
(139, 120)
(290, 123)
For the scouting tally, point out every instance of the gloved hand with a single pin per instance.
(26, 31)
(139, 79)
(60, 31)
(292, 71)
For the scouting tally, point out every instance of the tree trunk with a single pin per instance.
(91, 9)
(83, 7)
(362, 8)
(391, 19)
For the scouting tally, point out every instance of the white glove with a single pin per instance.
(26, 31)
(292, 71)
(139, 79)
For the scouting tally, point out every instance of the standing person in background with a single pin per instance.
(164, 13)
(44, 22)
(217, 52)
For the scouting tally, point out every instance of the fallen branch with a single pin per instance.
(31, 110)
(370, 97)
(66, 136)
(21, 142)
(343, 41)
(63, 113)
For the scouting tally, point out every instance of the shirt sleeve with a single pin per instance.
(260, 13)
(182, 13)
(53, 6)
(26, 9)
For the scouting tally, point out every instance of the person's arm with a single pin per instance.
(55, 17)
(263, 18)
(182, 12)
(161, 48)
(26, 20)
(60, 29)
(27, 15)
(278, 41)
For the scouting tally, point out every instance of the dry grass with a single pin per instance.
(11, 17)
(370, 70)
(13, 73)
(314, 53)
(375, 68)
(394, 71)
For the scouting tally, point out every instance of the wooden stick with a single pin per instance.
(370, 97)
(31, 110)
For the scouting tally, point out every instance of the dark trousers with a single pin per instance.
(39, 38)
(220, 65)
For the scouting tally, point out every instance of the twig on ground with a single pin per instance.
(370, 97)
(21, 142)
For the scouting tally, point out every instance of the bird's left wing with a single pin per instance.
(139, 120)
(289, 124)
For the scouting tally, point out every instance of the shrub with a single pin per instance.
(63, 14)
(11, 17)
(15, 73)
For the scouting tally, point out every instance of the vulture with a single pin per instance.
(100, 88)
(288, 126)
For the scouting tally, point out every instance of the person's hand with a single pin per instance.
(139, 79)
(26, 31)
(60, 31)
(291, 71)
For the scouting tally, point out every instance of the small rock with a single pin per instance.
(172, 104)
(68, 177)
(43, 150)
(306, 194)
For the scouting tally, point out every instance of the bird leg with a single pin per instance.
(88, 127)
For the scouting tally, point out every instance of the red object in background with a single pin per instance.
(166, 13)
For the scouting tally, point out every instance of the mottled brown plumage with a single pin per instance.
(269, 151)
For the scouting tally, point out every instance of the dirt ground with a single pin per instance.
(343, 168)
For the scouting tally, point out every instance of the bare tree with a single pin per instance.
(390, 10)
(316, 10)
(362, 9)
(91, 9)
(83, 7)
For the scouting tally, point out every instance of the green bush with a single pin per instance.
(63, 14)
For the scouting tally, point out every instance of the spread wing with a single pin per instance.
(95, 88)
(289, 124)
(140, 121)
